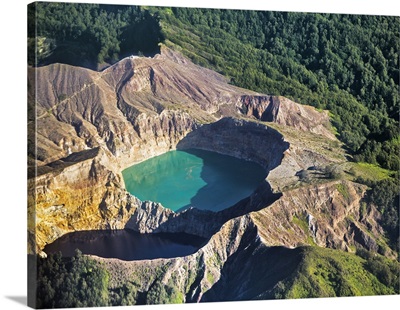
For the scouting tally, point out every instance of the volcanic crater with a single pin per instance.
(90, 126)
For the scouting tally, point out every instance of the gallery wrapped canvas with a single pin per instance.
(186, 155)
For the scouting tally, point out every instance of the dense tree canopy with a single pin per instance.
(71, 282)
(385, 195)
(90, 34)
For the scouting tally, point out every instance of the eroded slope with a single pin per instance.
(136, 109)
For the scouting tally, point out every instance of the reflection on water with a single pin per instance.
(194, 178)
(126, 244)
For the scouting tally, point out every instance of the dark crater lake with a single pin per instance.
(126, 244)
(193, 178)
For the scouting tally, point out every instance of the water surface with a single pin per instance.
(126, 244)
(193, 178)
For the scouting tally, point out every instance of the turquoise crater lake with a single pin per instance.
(193, 178)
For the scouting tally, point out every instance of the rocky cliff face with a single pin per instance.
(191, 276)
(266, 245)
(240, 138)
(74, 195)
(141, 107)
(285, 112)
(327, 215)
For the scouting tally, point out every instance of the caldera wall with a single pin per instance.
(101, 202)
(239, 138)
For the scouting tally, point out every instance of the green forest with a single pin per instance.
(69, 282)
(89, 35)
(80, 281)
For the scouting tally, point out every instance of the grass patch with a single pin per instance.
(368, 171)
(191, 277)
(329, 273)
(302, 222)
(343, 190)
(210, 278)
(310, 240)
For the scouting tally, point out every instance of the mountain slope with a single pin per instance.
(212, 273)
(327, 273)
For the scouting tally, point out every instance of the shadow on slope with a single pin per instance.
(261, 269)
(239, 138)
